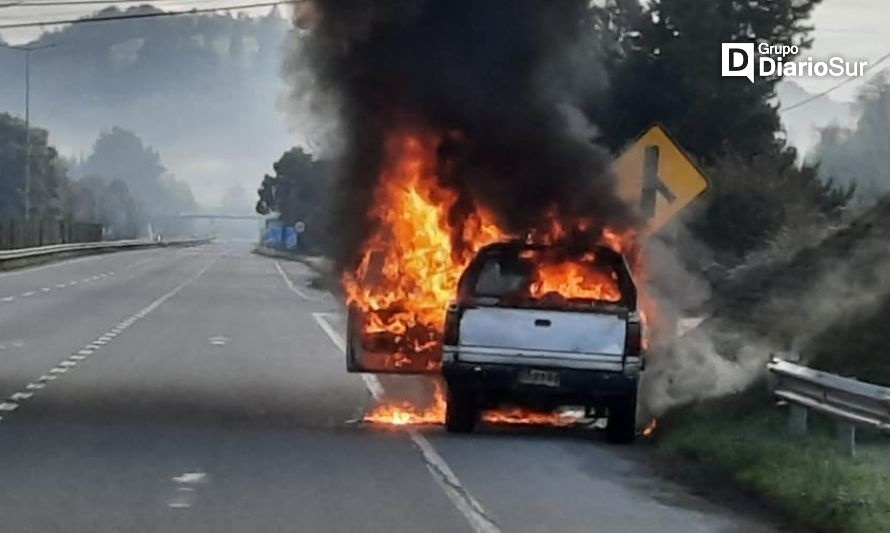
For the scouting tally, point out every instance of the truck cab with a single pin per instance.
(512, 337)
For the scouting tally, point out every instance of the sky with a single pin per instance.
(855, 29)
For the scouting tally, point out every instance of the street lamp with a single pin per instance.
(27, 50)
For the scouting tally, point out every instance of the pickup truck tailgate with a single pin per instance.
(536, 331)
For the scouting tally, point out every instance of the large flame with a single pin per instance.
(411, 264)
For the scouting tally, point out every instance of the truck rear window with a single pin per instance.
(542, 278)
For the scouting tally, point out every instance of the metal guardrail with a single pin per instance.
(8, 256)
(852, 402)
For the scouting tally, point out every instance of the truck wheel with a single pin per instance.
(622, 426)
(461, 412)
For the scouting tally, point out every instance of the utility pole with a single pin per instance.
(27, 50)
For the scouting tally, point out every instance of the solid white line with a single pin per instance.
(290, 284)
(437, 466)
(333, 334)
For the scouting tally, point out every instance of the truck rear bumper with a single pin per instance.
(504, 383)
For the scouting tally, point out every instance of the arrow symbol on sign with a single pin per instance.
(652, 183)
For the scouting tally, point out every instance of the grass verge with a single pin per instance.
(809, 479)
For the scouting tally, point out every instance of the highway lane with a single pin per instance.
(209, 398)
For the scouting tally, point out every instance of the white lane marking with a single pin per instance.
(218, 341)
(28, 294)
(9, 298)
(12, 403)
(45, 289)
(72, 283)
(186, 489)
(437, 466)
(60, 285)
(190, 477)
(290, 284)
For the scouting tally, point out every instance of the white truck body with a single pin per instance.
(543, 338)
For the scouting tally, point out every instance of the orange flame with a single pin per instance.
(406, 414)
(650, 428)
(411, 264)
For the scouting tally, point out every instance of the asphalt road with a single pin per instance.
(202, 390)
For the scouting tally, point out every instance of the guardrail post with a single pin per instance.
(797, 420)
(846, 436)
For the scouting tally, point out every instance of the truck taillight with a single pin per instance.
(633, 342)
(452, 326)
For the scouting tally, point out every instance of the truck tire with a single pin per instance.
(622, 425)
(461, 412)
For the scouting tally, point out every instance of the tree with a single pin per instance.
(119, 154)
(94, 200)
(300, 190)
(668, 71)
(859, 155)
(47, 172)
(664, 60)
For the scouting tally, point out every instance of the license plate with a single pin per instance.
(544, 378)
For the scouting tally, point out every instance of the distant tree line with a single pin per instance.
(122, 185)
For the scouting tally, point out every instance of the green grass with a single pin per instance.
(809, 479)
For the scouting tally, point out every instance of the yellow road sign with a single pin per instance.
(657, 177)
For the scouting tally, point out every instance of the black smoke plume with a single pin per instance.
(498, 79)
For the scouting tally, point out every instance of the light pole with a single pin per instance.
(27, 50)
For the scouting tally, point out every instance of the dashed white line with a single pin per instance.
(15, 400)
(28, 294)
(440, 471)
(9, 298)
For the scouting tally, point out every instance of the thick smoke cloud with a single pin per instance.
(497, 80)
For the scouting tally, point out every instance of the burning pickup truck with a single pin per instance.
(532, 325)
(514, 337)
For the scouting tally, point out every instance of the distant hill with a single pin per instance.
(202, 89)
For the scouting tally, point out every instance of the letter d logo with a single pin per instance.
(738, 60)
